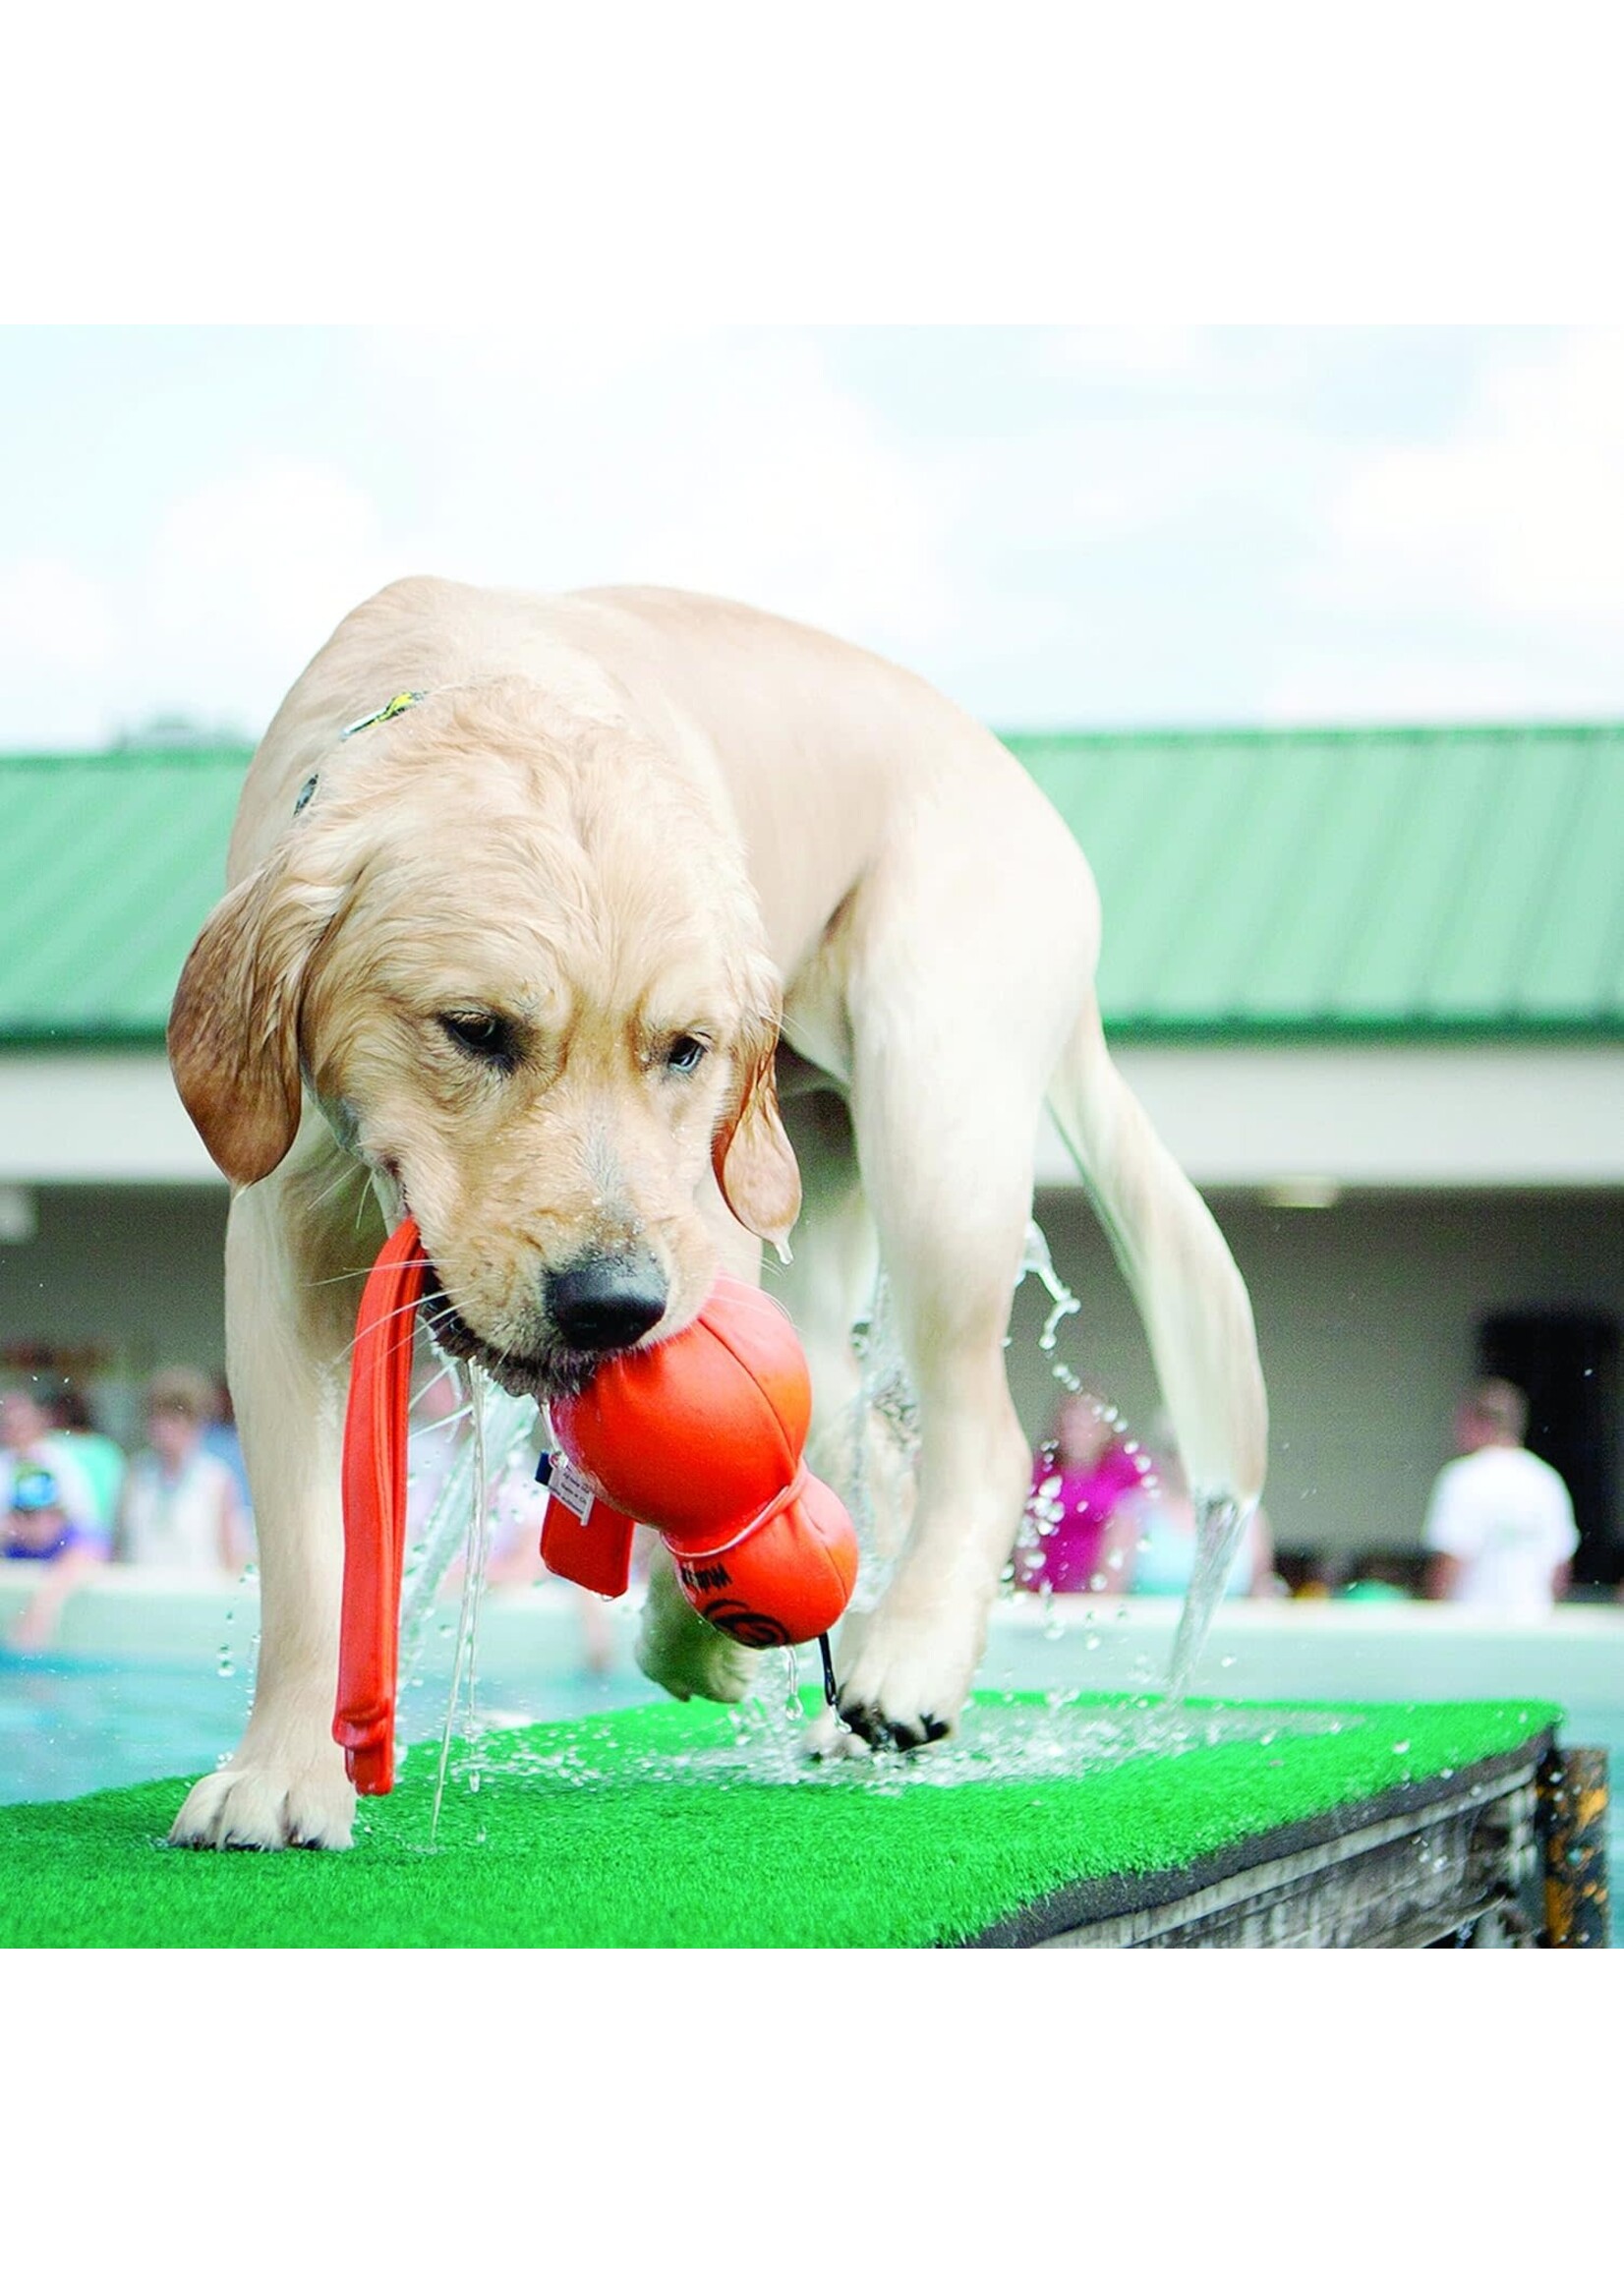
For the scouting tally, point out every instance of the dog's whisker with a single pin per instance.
(331, 1190)
(339, 1278)
(385, 1318)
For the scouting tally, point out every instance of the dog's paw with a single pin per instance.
(261, 1804)
(907, 1682)
(676, 1649)
(827, 1738)
(883, 1729)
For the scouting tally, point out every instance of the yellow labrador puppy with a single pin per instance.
(639, 904)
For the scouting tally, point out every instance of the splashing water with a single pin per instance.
(464, 1659)
(877, 1447)
(495, 1441)
(1220, 1525)
(886, 1402)
(1037, 1263)
(882, 1434)
(498, 1442)
(1220, 1522)
(1012, 1741)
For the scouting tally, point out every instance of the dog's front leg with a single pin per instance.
(676, 1649)
(948, 1176)
(292, 1289)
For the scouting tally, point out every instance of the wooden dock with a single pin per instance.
(1512, 1857)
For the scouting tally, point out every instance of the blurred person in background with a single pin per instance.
(36, 1527)
(181, 1509)
(28, 1444)
(1499, 1523)
(73, 1426)
(1073, 1539)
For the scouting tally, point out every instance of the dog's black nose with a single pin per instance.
(606, 1303)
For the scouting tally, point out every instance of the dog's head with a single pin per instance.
(521, 969)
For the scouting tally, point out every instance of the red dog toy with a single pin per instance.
(699, 1437)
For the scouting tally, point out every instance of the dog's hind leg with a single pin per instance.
(1191, 1296)
(291, 1297)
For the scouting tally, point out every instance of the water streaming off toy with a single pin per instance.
(484, 1446)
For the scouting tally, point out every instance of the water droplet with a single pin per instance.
(1402, 1745)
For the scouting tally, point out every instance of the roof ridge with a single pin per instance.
(1389, 733)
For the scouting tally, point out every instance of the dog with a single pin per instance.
(616, 936)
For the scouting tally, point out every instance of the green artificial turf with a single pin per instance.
(694, 1825)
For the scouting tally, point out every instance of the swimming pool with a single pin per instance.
(150, 1682)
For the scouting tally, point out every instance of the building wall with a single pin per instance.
(116, 1282)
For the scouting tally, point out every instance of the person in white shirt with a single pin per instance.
(1499, 1523)
(180, 1508)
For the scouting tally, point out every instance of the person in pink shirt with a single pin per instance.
(1070, 1543)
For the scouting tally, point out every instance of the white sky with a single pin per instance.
(1128, 518)
(1058, 526)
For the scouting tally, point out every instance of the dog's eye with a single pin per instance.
(686, 1053)
(483, 1035)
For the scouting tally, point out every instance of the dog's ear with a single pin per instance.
(755, 1163)
(234, 1023)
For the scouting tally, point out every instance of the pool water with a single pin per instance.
(73, 1726)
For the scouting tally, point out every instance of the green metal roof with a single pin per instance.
(1362, 883)
(110, 864)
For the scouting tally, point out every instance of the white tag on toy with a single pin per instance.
(571, 1486)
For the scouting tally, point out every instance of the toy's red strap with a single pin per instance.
(375, 1510)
